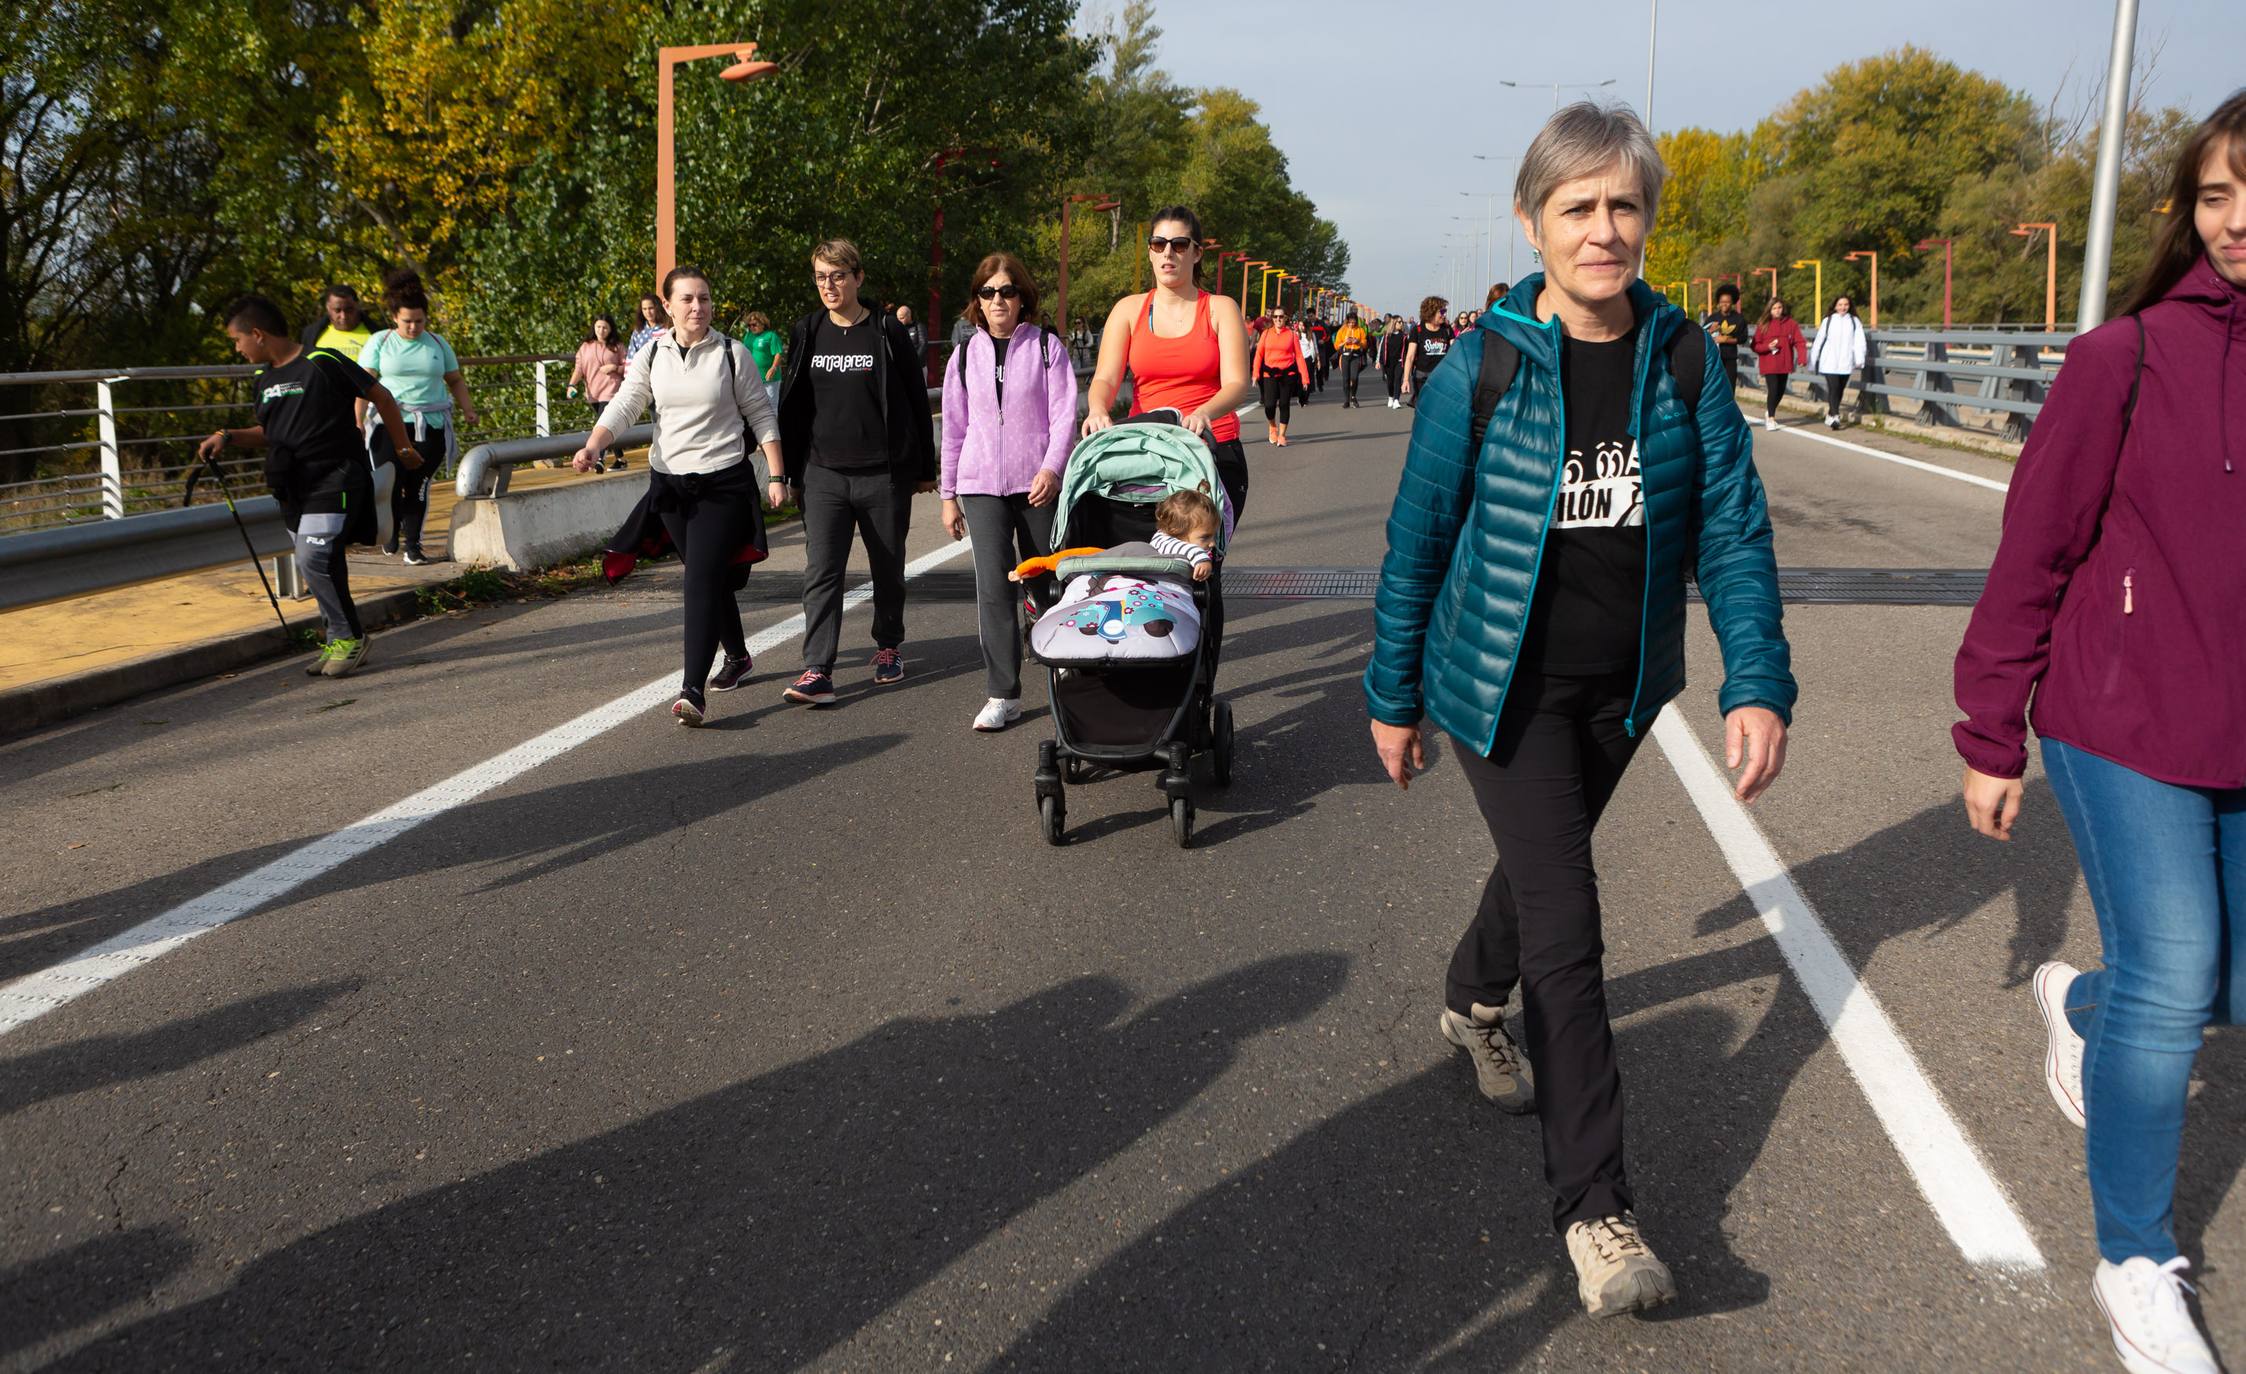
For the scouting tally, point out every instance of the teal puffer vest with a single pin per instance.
(1466, 535)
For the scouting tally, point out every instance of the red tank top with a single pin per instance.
(1183, 372)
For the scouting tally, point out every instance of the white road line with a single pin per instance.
(36, 994)
(1965, 1197)
(1936, 468)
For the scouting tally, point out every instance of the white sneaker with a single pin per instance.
(2152, 1329)
(2062, 1052)
(998, 713)
(1769, 422)
(1832, 422)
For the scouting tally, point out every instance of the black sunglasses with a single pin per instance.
(1000, 293)
(1156, 243)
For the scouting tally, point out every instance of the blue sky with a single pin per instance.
(1381, 107)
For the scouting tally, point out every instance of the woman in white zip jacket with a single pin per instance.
(1837, 351)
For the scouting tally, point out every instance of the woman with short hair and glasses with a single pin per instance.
(1187, 350)
(1009, 418)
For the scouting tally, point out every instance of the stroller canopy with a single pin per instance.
(1140, 464)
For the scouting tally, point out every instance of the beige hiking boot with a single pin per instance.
(1614, 1270)
(1501, 1071)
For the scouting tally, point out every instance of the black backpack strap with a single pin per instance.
(1500, 360)
(1688, 366)
(2135, 380)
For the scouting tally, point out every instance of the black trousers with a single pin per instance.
(878, 506)
(1393, 374)
(1560, 752)
(1232, 470)
(709, 517)
(1773, 391)
(1278, 394)
(1836, 386)
(409, 492)
(1352, 366)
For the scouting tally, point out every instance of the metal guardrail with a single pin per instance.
(56, 564)
(2007, 372)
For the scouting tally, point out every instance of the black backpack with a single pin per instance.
(1688, 362)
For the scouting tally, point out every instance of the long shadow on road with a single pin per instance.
(752, 1228)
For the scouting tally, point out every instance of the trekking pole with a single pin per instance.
(194, 475)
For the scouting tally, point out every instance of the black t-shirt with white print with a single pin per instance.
(847, 432)
(1588, 610)
(315, 453)
(1433, 344)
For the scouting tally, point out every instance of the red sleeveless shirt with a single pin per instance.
(1183, 372)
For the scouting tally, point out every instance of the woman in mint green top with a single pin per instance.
(423, 372)
(765, 347)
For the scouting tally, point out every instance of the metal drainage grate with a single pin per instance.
(1796, 586)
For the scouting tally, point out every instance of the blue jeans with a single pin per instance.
(2166, 866)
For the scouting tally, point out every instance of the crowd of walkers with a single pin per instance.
(1575, 460)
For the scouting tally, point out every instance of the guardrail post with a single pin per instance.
(545, 426)
(1868, 401)
(112, 464)
(2016, 425)
(1941, 414)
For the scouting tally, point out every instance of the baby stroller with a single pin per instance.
(1130, 641)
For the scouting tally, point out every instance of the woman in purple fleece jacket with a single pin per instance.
(2118, 600)
(1009, 418)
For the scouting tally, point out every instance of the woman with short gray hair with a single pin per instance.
(1548, 644)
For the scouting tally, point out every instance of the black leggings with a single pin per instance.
(710, 517)
(1278, 395)
(1836, 386)
(1560, 752)
(1352, 365)
(1232, 470)
(1393, 374)
(1773, 391)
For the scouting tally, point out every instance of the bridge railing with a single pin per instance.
(1988, 380)
(114, 442)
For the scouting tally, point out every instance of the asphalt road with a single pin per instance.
(787, 1044)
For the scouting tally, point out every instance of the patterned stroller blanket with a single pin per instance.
(1119, 617)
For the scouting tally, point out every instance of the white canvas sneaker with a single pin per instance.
(2149, 1320)
(2062, 1048)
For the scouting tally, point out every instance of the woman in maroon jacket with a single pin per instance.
(1779, 349)
(2118, 599)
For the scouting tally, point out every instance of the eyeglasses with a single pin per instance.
(1157, 244)
(1000, 293)
(830, 278)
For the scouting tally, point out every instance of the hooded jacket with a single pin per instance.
(1466, 534)
(904, 400)
(996, 445)
(2118, 595)
(1779, 348)
(1839, 345)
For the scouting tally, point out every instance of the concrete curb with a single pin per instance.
(37, 704)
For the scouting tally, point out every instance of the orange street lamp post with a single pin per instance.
(1068, 208)
(1245, 264)
(1868, 253)
(1758, 271)
(2050, 271)
(666, 188)
(1240, 257)
(1949, 254)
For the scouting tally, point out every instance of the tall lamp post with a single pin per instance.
(1245, 264)
(949, 159)
(1684, 287)
(1949, 255)
(744, 69)
(1818, 300)
(1710, 284)
(1240, 257)
(1263, 288)
(2050, 271)
(1068, 210)
(1511, 232)
(2105, 180)
(1874, 256)
(1758, 271)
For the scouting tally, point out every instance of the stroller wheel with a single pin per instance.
(1220, 745)
(1181, 821)
(1051, 820)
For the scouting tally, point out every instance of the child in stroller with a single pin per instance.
(1130, 628)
